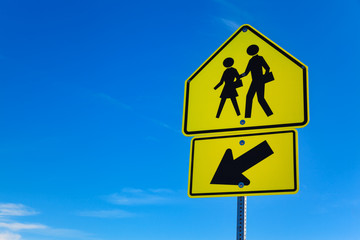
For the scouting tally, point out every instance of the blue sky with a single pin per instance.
(91, 104)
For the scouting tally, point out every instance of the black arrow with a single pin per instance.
(229, 171)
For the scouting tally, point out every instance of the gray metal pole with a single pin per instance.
(241, 219)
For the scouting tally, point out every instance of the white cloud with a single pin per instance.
(241, 14)
(16, 226)
(112, 100)
(9, 210)
(64, 233)
(12, 209)
(125, 106)
(41, 230)
(133, 190)
(233, 26)
(10, 229)
(142, 199)
(160, 123)
(107, 214)
(133, 196)
(162, 190)
(9, 236)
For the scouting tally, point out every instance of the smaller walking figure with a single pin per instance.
(255, 66)
(229, 90)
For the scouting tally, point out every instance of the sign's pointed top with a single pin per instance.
(248, 83)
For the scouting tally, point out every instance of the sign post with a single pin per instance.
(241, 218)
(253, 89)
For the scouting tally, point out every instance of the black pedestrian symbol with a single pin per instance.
(229, 171)
(255, 66)
(229, 90)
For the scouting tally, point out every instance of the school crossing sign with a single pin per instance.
(248, 83)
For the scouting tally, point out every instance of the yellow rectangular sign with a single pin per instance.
(244, 165)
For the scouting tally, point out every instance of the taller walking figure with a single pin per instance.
(255, 66)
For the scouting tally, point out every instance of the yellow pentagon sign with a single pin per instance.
(244, 165)
(248, 83)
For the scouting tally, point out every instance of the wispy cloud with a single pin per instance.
(16, 226)
(133, 196)
(125, 106)
(64, 233)
(9, 236)
(12, 209)
(12, 230)
(241, 15)
(232, 25)
(162, 190)
(112, 100)
(161, 124)
(116, 213)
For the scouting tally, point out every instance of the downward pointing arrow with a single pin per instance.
(229, 171)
